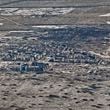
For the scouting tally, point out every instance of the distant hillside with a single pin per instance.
(52, 3)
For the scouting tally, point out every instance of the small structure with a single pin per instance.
(35, 67)
(39, 67)
(24, 68)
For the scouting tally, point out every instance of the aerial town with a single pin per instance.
(55, 55)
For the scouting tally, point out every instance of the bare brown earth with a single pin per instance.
(69, 90)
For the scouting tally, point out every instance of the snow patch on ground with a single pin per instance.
(108, 22)
(35, 11)
(21, 31)
(51, 26)
(1, 24)
(105, 15)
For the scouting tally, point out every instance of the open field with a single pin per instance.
(54, 91)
